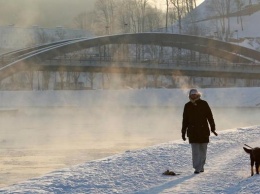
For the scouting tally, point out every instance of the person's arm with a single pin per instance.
(211, 120)
(184, 123)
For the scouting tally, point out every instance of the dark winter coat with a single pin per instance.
(196, 117)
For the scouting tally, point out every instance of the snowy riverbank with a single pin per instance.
(139, 171)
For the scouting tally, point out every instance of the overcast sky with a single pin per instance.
(46, 13)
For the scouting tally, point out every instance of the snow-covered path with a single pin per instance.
(225, 173)
(227, 170)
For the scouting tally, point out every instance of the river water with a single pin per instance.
(35, 141)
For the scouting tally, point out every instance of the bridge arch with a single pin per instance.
(230, 52)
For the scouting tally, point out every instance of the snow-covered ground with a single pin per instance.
(140, 171)
(247, 33)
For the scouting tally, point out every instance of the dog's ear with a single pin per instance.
(249, 151)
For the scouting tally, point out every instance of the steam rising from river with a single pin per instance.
(46, 130)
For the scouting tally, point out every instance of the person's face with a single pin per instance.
(193, 96)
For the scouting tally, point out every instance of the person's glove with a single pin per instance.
(213, 130)
(183, 137)
(212, 127)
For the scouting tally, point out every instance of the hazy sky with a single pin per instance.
(161, 3)
(46, 13)
(199, 1)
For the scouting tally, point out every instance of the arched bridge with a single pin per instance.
(37, 57)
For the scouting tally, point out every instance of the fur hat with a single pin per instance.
(194, 91)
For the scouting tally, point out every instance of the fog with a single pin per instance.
(44, 13)
(48, 13)
(37, 140)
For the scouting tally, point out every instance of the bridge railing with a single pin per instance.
(163, 64)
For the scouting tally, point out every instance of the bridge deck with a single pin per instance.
(175, 68)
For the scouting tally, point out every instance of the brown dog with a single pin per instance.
(254, 157)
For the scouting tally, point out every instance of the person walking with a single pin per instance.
(197, 117)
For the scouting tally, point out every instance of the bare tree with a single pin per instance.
(62, 79)
(114, 16)
(90, 78)
(133, 13)
(75, 76)
(81, 20)
(87, 21)
(167, 14)
(222, 9)
(138, 12)
(106, 9)
(46, 79)
(125, 16)
(60, 33)
(153, 19)
(142, 4)
(194, 3)
(155, 80)
(172, 18)
(180, 9)
(42, 36)
(239, 4)
(228, 4)
(29, 76)
(129, 16)
(189, 5)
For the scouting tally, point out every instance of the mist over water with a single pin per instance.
(35, 141)
(44, 13)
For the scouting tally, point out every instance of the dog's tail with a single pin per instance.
(249, 151)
